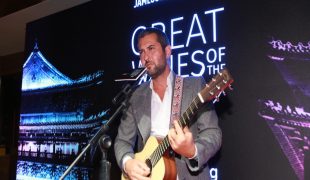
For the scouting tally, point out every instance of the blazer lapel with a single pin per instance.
(144, 113)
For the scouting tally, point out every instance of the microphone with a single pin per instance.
(128, 87)
(131, 76)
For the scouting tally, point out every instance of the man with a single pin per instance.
(149, 111)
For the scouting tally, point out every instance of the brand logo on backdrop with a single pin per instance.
(140, 3)
(207, 58)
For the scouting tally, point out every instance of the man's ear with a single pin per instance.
(168, 51)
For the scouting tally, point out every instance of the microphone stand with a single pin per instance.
(105, 141)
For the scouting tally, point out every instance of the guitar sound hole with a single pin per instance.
(149, 164)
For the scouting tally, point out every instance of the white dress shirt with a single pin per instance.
(161, 110)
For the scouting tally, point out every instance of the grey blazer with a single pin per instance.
(135, 129)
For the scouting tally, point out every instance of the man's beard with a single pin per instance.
(157, 70)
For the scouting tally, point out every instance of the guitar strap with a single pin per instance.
(169, 155)
(176, 99)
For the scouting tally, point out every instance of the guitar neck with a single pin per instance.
(183, 121)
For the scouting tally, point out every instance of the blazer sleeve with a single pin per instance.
(125, 139)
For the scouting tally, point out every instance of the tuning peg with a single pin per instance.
(216, 99)
(224, 93)
(230, 87)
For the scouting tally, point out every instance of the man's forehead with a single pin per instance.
(147, 42)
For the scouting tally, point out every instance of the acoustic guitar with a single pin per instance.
(153, 151)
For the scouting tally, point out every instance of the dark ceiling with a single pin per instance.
(10, 6)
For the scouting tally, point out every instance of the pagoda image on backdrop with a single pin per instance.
(290, 123)
(58, 117)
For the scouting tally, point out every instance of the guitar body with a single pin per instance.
(158, 171)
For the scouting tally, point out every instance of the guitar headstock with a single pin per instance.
(216, 86)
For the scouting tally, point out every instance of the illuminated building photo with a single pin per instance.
(56, 121)
(290, 123)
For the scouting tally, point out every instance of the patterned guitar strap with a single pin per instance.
(176, 102)
(176, 99)
(169, 155)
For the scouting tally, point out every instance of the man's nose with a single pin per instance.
(146, 57)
